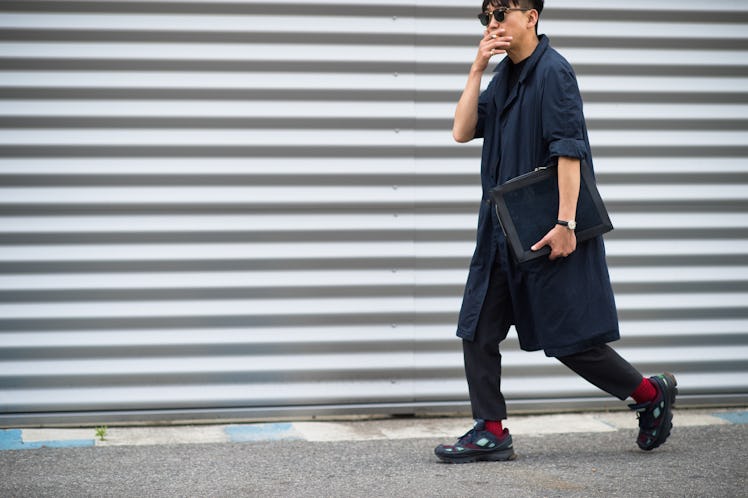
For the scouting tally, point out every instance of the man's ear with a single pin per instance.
(532, 18)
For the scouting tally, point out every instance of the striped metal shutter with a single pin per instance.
(248, 209)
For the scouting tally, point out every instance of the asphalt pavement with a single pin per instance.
(591, 454)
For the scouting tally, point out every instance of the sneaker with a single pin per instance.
(478, 444)
(656, 416)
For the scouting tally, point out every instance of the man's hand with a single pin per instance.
(494, 42)
(466, 114)
(561, 240)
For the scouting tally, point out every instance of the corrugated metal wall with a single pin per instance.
(243, 209)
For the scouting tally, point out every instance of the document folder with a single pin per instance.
(527, 207)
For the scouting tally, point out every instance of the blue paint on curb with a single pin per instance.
(261, 432)
(12, 439)
(734, 417)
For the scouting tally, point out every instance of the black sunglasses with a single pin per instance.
(498, 14)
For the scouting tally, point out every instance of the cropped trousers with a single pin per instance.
(600, 365)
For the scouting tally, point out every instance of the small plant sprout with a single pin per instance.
(101, 432)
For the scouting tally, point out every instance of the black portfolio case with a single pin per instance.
(527, 207)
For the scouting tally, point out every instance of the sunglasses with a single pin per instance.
(498, 14)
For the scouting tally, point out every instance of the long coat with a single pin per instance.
(563, 306)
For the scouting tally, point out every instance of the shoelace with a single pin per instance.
(467, 437)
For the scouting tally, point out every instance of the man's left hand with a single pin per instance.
(560, 239)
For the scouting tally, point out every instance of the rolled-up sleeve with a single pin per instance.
(562, 116)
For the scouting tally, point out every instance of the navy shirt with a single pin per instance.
(563, 306)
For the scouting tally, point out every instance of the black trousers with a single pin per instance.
(599, 365)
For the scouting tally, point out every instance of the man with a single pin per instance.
(531, 115)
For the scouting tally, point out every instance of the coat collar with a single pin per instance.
(502, 70)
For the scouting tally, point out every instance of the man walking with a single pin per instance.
(531, 115)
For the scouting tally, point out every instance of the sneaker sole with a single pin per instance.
(669, 402)
(497, 456)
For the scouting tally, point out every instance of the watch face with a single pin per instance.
(572, 225)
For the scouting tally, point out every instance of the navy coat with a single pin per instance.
(563, 306)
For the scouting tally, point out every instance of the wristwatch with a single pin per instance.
(571, 224)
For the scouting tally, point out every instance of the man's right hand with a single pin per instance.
(466, 114)
(493, 43)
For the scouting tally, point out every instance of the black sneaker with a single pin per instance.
(478, 444)
(656, 416)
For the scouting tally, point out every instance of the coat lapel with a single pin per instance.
(509, 101)
(502, 74)
(529, 67)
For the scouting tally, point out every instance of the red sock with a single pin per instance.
(645, 392)
(495, 427)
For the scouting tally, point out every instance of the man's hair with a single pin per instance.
(525, 4)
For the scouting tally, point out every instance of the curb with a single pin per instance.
(368, 430)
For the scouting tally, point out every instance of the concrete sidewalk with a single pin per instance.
(352, 430)
(386, 457)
